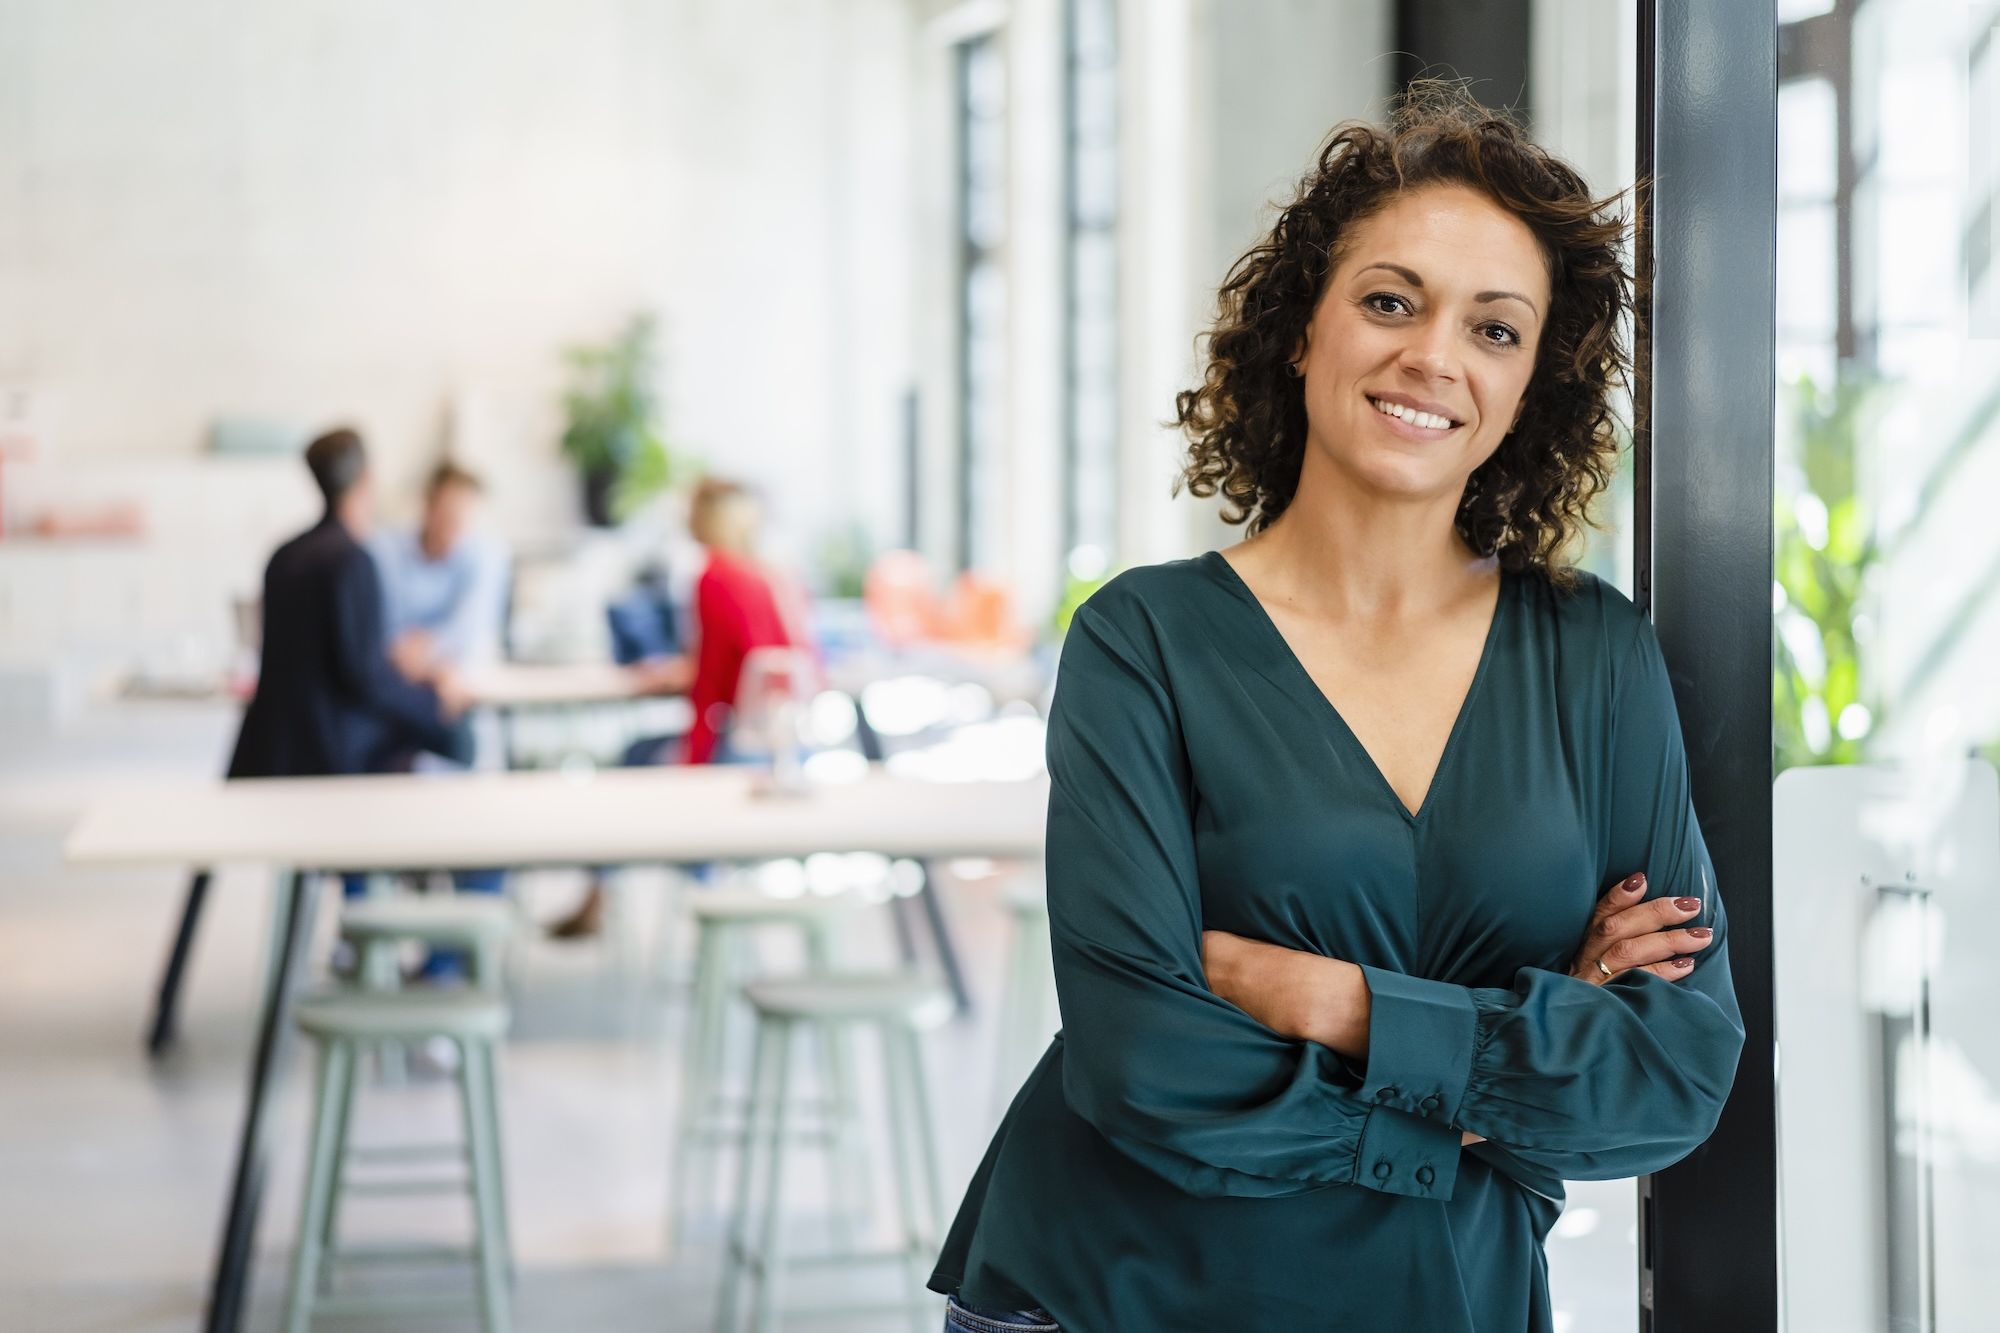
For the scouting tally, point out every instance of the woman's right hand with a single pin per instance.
(1627, 932)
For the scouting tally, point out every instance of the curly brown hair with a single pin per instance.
(1246, 423)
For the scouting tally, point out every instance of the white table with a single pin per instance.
(406, 821)
(550, 685)
(510, 689)
(673, 813)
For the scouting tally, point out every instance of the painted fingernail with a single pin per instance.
(1683, 962)
(1688, 904)
(1701, 932)
(1634, 884)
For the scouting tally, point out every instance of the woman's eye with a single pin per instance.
(1385, 303)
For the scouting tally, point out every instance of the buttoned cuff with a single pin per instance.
(1406, 1154)
(1420, 1036)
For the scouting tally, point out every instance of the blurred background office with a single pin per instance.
(921, 275)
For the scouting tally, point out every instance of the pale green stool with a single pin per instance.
(381, 923)
(708, 1117)
(1027, 1014)
(343, 1023)
(477, 925)
(899, 1006)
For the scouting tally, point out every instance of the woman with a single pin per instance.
(738, 607)
(1377, 900)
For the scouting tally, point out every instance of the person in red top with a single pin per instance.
(739, 607)
(736, 610)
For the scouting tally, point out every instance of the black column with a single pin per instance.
(1485, 41)
(1708, 137)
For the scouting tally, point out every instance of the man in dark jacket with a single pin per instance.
(328, 700)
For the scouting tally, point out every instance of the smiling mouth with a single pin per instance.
(1411, 417)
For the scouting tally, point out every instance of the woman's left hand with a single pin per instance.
(1295, 993)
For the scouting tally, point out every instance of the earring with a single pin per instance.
(1292, 369)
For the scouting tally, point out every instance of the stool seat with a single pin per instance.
(404, 1015)
(755, 904)
(449, 919)
(866, 996)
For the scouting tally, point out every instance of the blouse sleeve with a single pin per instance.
(1178, 1079)
(1587, 1082)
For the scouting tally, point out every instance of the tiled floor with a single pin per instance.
(112, 1168)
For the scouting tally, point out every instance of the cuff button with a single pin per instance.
(1382, 1170)
(1387, 1094)
(1425, 1175)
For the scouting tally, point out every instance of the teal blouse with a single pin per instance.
(1171, 1163)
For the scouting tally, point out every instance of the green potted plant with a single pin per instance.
(1824, 707)
(612, 429)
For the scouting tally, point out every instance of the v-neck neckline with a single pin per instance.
(1413, 817)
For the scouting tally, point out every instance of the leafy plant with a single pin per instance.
(1085, 571)
(1824, 709)
(612, 432)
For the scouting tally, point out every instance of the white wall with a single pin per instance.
(396, 214)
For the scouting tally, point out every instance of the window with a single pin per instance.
(982, 359)
(1090, 338)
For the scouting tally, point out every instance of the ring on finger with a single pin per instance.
(1602, 968)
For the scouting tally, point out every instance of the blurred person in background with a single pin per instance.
(444, 593)
(328, 698)
(444, 582)
(740, 605)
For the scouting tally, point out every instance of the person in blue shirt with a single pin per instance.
(444, 606)
(444, 583)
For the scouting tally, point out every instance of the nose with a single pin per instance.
(1432, 351)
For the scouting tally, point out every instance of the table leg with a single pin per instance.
(161, 1034)
(906, 939)
(239, 1232)
(947, 951)
(510, 753)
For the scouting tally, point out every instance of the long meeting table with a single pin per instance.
(304, 827)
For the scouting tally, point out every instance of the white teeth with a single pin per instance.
(1428, 420)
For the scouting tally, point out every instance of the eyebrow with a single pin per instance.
(1409, 276)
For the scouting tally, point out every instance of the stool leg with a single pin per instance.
(920, 1102)
(336, 1072)
(487, 964)
(499, 1163)
(345, 1113)
(702, 1037)
(908, 1054)
(379, 973)
(901, 1161)
(666, 937)
(736, 1259)
(475, 1083)
(737, 958)
(1024, 1022)
(1042, 985)
(846, 1145)
(770, 1275)
(1009, 1025)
